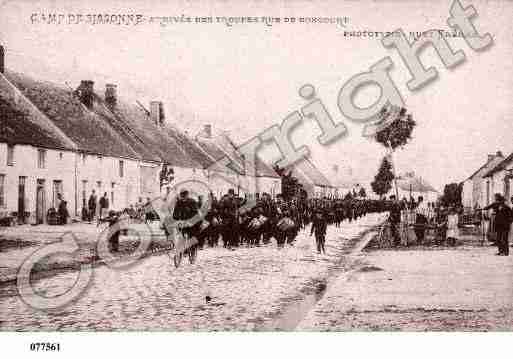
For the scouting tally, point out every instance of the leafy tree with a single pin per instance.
(452, 194)
(362, 192)
(397, 133)
(383, 180)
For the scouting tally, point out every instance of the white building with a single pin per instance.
(474, 193)
(410, 185)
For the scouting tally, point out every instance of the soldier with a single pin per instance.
(213, 231)
(319, 226)
(270, 211)
(230, 220)
(185, 209)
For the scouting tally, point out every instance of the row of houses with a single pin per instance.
(494, 176)
(57, 140)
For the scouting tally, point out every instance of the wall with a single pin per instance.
(59, 167)
(467, 194)
(72, 169)
(104, 169)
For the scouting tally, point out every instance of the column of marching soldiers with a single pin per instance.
(229, 219)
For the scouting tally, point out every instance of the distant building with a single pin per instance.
(342, 181)
(411, 185)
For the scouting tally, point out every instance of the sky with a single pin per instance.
(245, 78)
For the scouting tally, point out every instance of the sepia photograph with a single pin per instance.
(254, 166)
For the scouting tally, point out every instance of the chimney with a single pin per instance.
(499, 154)
(2, 54)
(207, 130)
(86, 92)
(157, 113)
(111, 94)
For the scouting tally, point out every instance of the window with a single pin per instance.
(2, 198)
(10, 155)
(84, 193)
(60, 155)
(121, 169)
(112, 195)
(41, 158)
(99, 185)
(84, 156)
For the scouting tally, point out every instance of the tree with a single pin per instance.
(452, 194)
(362, 193)
(383, 180)
(397, 133)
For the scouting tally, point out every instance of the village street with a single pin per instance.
(421, 288)
(259, 288)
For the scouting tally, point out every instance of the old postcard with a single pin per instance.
(256, 166)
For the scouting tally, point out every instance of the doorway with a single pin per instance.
(21, 199)
(40, 201)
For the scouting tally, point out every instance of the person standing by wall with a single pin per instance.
(104, 206)
(91, 204)
(62, 210)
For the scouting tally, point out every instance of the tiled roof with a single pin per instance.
(152, 141)
(86, 128)
(59, 119)
(187, 146)
(22, 123)
(122, 130)
(220, 147)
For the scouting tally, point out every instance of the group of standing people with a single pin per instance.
(95, 208)
(445, 221)
(422, 216)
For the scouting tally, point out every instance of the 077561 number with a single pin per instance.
(45, 347)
